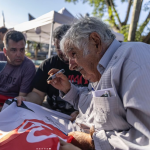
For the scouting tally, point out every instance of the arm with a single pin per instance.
(74, 115)
(35, 96)
(60, 83)
(69, 92)
(22, 94)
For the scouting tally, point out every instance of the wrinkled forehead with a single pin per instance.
(68, 46)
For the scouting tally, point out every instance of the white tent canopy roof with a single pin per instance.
(65, 12)
(119, 36)
(44, 24)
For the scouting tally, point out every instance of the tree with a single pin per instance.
(135, 19)
(108, 7)
(36, 48)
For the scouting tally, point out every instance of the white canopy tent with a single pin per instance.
(41, 29)
(119, 36)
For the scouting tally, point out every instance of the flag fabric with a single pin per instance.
(30, 17)
(3, 19)
(32, 127)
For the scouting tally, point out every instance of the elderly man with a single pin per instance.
(120, 71)
(17, 75)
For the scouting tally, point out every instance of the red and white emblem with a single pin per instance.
(32, 134)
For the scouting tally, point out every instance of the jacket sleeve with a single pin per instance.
(73, 95)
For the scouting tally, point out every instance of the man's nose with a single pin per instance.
(72, 64)
(18, 53)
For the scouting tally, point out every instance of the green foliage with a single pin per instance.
(28, 54)
(74, 1)
(108, 8)
(124, 1)
(147, 6)
(125, 30)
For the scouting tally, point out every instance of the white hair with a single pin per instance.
(78, 34)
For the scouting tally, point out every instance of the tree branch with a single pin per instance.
(147, 38)
(111, 17)
(128, 11)
(115, 11)
(141, 28)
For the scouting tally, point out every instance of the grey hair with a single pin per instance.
(60, 31)
(78, 34)
(13, 35)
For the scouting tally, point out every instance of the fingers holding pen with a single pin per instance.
(53, 81)
(58, 80)
(53, 71)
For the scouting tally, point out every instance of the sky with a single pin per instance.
(16, 11)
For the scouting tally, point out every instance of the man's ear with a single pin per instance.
(96, 40)
(5, 51)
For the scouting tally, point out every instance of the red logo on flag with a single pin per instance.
(32, 134)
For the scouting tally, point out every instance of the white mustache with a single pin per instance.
(78, 68)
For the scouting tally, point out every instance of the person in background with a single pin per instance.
(117, 101)
(17, 75)
(41, 88)
(3, 31)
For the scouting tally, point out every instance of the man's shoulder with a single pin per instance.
(133, 52)
(128, 46)
(53, 58)
(27, 64)
(28, 61)
(51, 61)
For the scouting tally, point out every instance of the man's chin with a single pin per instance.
(18, 63)
(85, 77)
(88, 78)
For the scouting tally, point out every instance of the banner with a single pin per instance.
(32, 127)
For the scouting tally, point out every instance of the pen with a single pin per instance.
(106, 94)
(93, 89)
(54, 75)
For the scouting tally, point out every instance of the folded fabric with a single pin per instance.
(32, 128)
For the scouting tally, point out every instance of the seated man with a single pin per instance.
(122, 115)
(3, 31)
(17, 75)
(41, 88)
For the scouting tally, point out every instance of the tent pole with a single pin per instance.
(50, 40)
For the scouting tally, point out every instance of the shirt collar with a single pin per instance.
(109, 53)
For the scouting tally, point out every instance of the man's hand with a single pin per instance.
(74, 115)
(67, 146)
(82, 140)
(20, 99)
(61, 82)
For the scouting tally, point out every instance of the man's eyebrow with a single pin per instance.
(13, 48)
(22, 48)
(70, 49)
